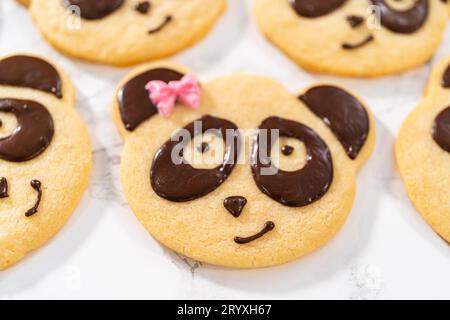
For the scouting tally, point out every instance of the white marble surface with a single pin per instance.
(385, 250)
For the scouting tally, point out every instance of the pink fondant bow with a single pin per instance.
(165, 95)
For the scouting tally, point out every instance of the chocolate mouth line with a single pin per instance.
(36, 185)
(352, 46)
(268, 226)
(3, 188)
(166, 21)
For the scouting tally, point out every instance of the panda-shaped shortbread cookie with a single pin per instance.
(124, 32)
(354, 37)
(239, 212)
(45, 154)
(423, 152)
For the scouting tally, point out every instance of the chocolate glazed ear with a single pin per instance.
(406, 22)
(134, 103)
(30, 72)
(342, 113)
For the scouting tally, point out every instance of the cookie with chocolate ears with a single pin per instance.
(423, 152)
(235, 211)
(365, 38)
(45, 154)
(124, 32)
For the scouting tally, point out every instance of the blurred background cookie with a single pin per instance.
(45, 154)
(354, 37)
(423, 152)
(124, 32)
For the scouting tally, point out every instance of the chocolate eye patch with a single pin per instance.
(441, 129)
(406, 22)
(33, 134)
(182, 182)
(97, 9)
(315, 8)
(296, 188)
(30, 72)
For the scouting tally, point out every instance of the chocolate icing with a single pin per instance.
(134, 103)
(441, 129)
(298, 188)
(33, 134)
(235, 205)
(268, 226)
(3, 188)
(166, 21)
(203, 147)
(405, 22)
(36, 185)
(351, 46)
(143, 7)
(315, 8)
(343, 113)
(446, 78)
(30, 72)
(182, 182)
(355, 21)
(287, 150)
(95, 9)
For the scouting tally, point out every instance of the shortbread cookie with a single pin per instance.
(354, 37)
(26, 3)
(423, 152)
(45, 154)
(124, 32)
(239, 210)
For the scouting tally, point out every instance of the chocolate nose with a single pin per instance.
(355, 21)
(143, 7)
(235, 205)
